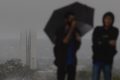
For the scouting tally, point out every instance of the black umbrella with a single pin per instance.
(83, 13)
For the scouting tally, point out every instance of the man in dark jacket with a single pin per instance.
(104, 47)
(66, 46)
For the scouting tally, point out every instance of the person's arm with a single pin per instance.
(67, 37)
(77, 40)
(112, 42)
(95, 37)
(70, 32)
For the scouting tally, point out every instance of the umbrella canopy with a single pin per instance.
(83, 13)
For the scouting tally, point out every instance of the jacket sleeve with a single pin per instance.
(96, 41)
(59, 36)
(112, 50)
(95, 36)
(116, 33)
(78, 43)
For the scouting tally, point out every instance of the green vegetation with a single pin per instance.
(14, 68)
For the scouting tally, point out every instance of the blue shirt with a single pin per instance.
(70, 53)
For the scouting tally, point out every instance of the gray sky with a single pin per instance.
(16, 15)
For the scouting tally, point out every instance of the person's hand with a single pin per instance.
(73, 24)
(65, 41)
(112, 42)
(70, 32)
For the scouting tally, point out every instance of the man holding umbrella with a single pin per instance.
(65, 28)
(66, 45)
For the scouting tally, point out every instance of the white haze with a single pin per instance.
(18, 15)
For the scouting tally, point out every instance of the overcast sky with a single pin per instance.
(16, 15)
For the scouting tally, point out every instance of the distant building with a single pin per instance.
(28, 40)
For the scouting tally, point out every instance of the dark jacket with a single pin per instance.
(102, 50)
(60, 49)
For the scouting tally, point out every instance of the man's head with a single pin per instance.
(69, 18)
(108, 19)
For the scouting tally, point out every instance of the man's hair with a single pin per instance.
(68, 14)
(109, 14)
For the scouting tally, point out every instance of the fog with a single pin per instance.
(18, 15)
